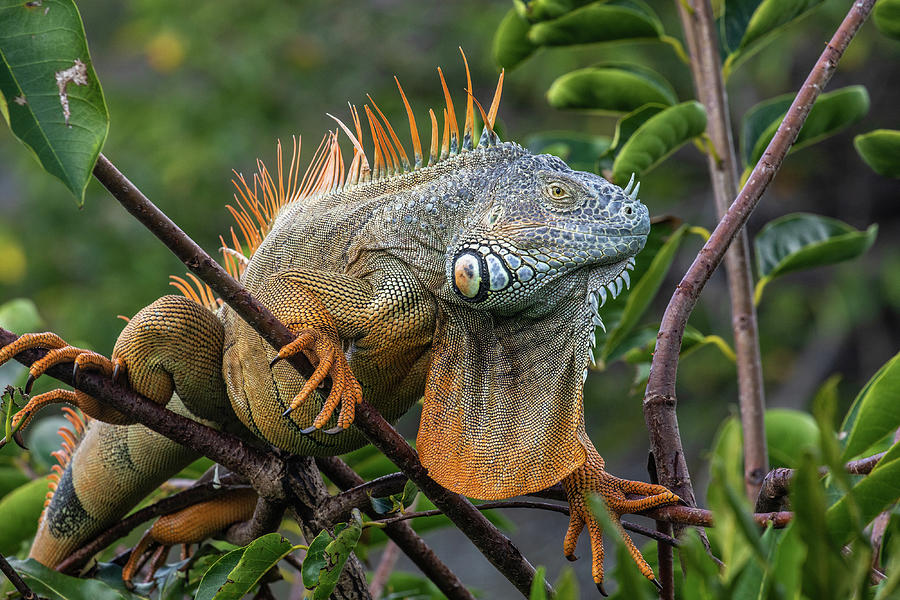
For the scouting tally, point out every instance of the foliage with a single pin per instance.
(635, 113)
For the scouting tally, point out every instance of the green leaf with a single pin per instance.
(337, 552)
(20, 510)
(538, 592)
(566, 585)
(874, 493)
(887, 18)
(42, 43)
(20, 315)
(511, 44)
(832, 112)
(48, 583)
(217, 575)
(881, 150)
(644, 291)
(579, 150)
(410, 491)
(407, 586)
(542, 10)
(877, 410)
(747, 24)
(803, 241)
(657, 138)
(619, 20)
(261, 555)
(11, 478)
(610, 88)
(315, 559)
(757, 122)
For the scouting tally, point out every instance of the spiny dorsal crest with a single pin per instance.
(258, 204)
(71, 438)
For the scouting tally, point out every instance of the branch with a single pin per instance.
(16, 580)
(176, 502)
(723, 173)
(660, 398)
(495, 546)
(400, 533)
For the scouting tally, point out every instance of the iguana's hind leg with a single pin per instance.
(173, 345)
(192, 525)
(592, 478)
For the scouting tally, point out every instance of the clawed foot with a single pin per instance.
(59, 352)
(591, 478)
(329, 359)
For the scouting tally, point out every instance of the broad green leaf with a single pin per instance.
(566, 585)
(877, 410)
(736, 535)
(383, 506)
(657, 138)
(832, 112)
(11, 478)
(610, 88)
(628, 124)
(747, 24)
(873, 494)
(48, 583)
(511, 44)
(803, 241)
(881, 150)
(619, 20)
(49, 92)
(261, 555)
(542, 10)
(579, 150)
(20, 511)
(755, 580)
(758, 120)
(337, 552)
(410, 491)
(642, 295)
(887, 18)
(538, 592)
(20, 315)
(217, 575)
(316, 559)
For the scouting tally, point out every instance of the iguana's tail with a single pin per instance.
(112, 468)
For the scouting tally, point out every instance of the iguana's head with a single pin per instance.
(540, 222)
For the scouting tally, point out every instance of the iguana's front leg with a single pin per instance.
(592, 478)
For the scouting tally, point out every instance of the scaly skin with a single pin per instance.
(474, 283)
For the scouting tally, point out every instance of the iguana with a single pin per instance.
(472, 283)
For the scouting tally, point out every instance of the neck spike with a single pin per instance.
(469, 128)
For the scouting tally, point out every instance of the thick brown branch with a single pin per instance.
(660, 397)
(495, 546)
(723, 172)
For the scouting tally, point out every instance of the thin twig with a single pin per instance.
(495, 546)
(660, 398)
(723, 172)
(400, 533)
(16, 580)
(386, 565)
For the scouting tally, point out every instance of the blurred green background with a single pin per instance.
(196, 90)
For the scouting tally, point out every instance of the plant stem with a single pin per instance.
(723, 172)
(660, 397)
(16, 580)
(495, 546)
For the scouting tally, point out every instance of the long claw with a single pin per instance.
(18, 439)
(601, 590)
(274, 362)
(309, 430)
(334, 430)
(29, 383)
(571, 557)
(116, 371)
(74, 370)
(657, 584)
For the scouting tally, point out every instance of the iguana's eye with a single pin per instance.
(557, 192)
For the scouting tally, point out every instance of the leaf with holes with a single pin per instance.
(258, 558)
(881, 151)
(658, 137)
(610, 88)
(511, 44)
(831, 113)
(803, 241)
(49, 93)
(336, 554)
(619, 20)
(216, 576)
